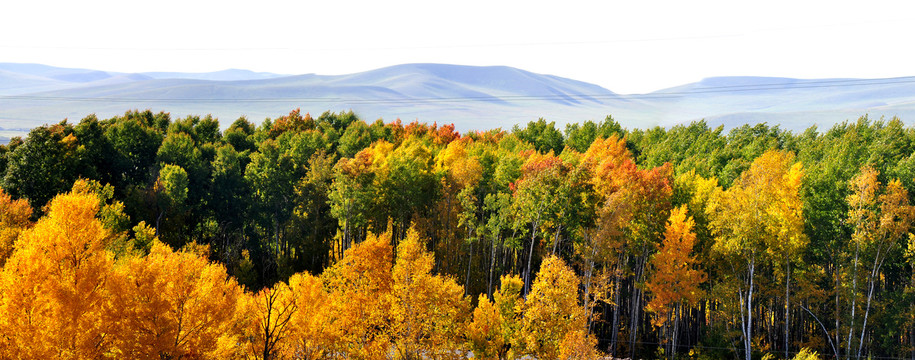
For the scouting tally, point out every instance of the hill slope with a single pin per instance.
(469, 96)
(792, 103)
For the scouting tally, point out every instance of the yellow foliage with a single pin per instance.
(427, 311)
(308, 338)
(54, 303)
(579, 345)
(172, 305)
(698, 191)
(491, 334)
(14, 218)
(551, 311)
(461, 169)
(510, 304)
(358, 285)
(806, 354)
(265, 321)
(897, 214)
(379, 154)
(484, 333)
(762, 211)
(880, 214)
(862, 212)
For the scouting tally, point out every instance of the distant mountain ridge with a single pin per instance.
(472, 97)
(223, 75)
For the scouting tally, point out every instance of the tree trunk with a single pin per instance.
(676, 330)
(835, 350)
(530, 256)
(749, 339)
(347, 231)
(787, 308)
(912, 342)
(854, 296)
(636, 301)
(469, 263)
(492, 265)
(614, 335)
(159, 219)
(746, 310)
(872, 278)
(835, 272)
(588, 285)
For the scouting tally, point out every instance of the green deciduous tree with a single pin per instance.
(44, 165)
(171, 191)
(542, 135)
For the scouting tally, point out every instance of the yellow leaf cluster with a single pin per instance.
(358, 285)
(427, 311)
(309, 336)
(879, 214)
(54, 303)
(14, 218)
(464, 171)
(171, 305)
(806, 354)
(265, 322)
(551, 311)
(492, 331)
(762, 211)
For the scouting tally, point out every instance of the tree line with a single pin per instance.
(332, 237)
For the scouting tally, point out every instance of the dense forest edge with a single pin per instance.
(329, 237)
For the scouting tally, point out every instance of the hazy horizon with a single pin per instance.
(471, 97)
(626, 47)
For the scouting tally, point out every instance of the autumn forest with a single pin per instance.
(147, 237)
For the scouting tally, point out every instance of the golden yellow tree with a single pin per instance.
(552, 311)
(358, 286)
(172, 305)
(265, 319)
(308, 338)
(495, 323)
(54, 302)
(455, 219)
(14, 218)
(674, 281)
(484, 333)
(579, 345)
(427, 311)
(881, 216)
(754, 220)
(510, 305)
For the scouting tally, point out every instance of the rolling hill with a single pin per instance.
(468, 96)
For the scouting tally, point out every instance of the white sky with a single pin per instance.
(625, 46)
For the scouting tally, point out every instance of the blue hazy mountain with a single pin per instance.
(471, 97)
(223, 75)
(792, 103)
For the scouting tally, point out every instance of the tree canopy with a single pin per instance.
(328, 237)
